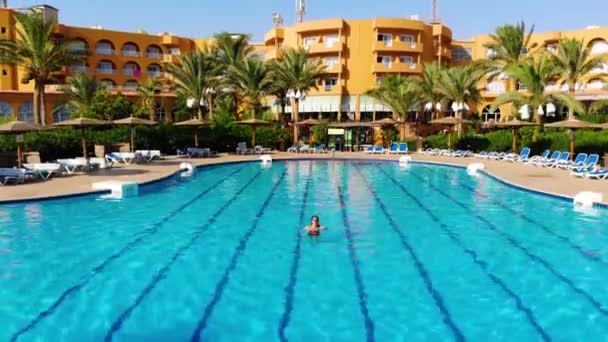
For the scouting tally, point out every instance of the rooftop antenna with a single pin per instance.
(435, 17)
(4, 3)
(277, 19)
(300, 10)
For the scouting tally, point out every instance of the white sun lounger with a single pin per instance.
(121, 157)
(73, 165)
(45, 170)
(149, 155)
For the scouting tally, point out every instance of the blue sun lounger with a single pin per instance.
(579, 161)
(403, 149)
(378, 149)
(394, 149)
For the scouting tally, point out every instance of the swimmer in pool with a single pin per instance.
(315, 227)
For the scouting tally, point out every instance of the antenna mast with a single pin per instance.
(300, 10)
(435, 18)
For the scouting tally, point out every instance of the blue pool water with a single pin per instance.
(427, 253)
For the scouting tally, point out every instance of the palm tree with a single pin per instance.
(38, 54)
(231, 50)
(297, 74)
(459, 84)
(147, 97)
(575, 63)
(191, 76)
(401, 94)
(536, 75)
(81, 91)
(252, 80)
(510, 44)
(427, 87)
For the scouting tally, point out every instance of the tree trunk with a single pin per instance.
(152, 111)
(36, 102)
(210, 105)
(459, 126)
(539, 120)
(199, 112)
(571, 90)
(42, 108)
(294, 119)
(236, 106)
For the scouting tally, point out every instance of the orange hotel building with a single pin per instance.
(356, 53)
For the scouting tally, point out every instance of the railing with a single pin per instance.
(130, 53)
(154, 73)
(155, 55)
(106, 71)
(105, 52)
(131, 72)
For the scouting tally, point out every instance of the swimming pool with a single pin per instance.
(426, 253)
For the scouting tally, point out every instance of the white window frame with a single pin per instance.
(105, 67)
(106, 49)
(387, 61)
(409, 60)
(330, 83)
(408, 39)
(307, 42)
(331, 39)
(387, 38)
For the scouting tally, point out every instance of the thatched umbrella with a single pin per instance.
(309, 123)
(515, 124)
(451, 122)
(254, 123)
(196, 123)
(131, 122)
(572, 125)
(18, 128)
(82, 123)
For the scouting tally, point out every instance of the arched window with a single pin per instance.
(61, 113)
(153, 70)
(160, 113)
(105, 48)
(105, 67)
(488, 115)
(597, 84)
(130, 50)
(77, 46)
(131, 85)
(6, 111)
(154, 51)
(132, 69)
(496, 87)
(109, 84)
(79, 67)
(599, 46)
(26, 111)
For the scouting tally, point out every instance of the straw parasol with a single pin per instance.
(196, 123)
(254, 123)
(451, 122)
(82, 123)
(515, 124)
(572, 125)
(18, 128)
(131, 122)
(309, 123)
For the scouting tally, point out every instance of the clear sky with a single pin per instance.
(202, 18)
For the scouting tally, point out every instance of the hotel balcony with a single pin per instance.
(326, 48)
(105, 71)
(105, 52)
(59, 30)
(170, 59)
(398, 46)
(396, 68)
(443, 52)
(334, 69)
(399, 24)
(271, 54)
(154, 55)
(276, 34)
(168, 39)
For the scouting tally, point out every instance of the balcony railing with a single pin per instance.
(78, 68)
(154, 73)
(132, 72)
(79, 50)
(130, 53)
(105, 71)
(398, 45)
(105, 52)
(155, 55)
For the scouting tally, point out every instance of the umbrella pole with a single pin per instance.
(572, 138)
(252, 136)
(449, 138)
(19, 155)
(514, 140)
(196, 137)
(132, 139)
(84, 143)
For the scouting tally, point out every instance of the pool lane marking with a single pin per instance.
(594, 302)
(221, 285)
(293, 273)
(548, 230)
(422, 271)
(129, 246)
(162, 273)
(476, 259)
(369, 323)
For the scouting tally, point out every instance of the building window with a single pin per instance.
(599, 46)
(154, 51)
(104, 48)
(386, 38)
(77, 46)
(552, 48)
(521, 87)
(105, 67)
(4, 72)
(409, 60)
(6, 111)
(130, 50)
(329, 62)
(331, 40)
(329, 83)
(174, 51)
(408, 39)
(61, 113)
(3, 30)
(109, 84)
(161, 116)
(462, 54)
(490, 53)
(385, 60)
(131, 85)
(153, 70)
(490, 116)
(132, 69)
(26, 111)
(495, 87)
(308, 41)
(78, 68)
(524, 51)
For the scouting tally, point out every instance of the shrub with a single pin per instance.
(436, 141)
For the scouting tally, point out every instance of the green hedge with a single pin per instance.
(502, 140)
(66, 143)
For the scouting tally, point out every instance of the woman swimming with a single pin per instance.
(315, 227)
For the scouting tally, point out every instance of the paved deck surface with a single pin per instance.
(541, 179)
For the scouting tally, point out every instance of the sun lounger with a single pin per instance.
(258, 149)
(597, 174)
(74, 164)
(293, 149)
(535, 159)
(241, 148)
(482, 155)
(497, 156)
(579, 161)
(45, 170)
(403, 148)
(460, 154)
(304, 148)
(370, 149)
(394, 148)
(579, 170)
(378, 149)
(523, 155)
(149, 155)
(320, 149)
(564, 160)
(552, 160)
(15, 175)
(121, 157)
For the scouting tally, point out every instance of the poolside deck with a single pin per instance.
(540, 179)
